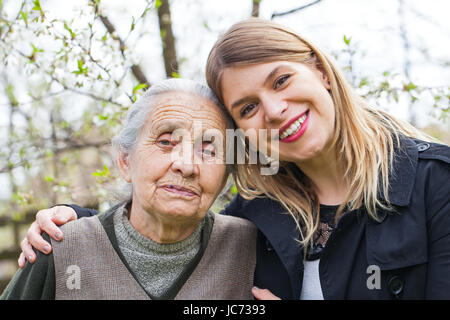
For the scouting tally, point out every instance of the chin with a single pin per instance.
(182, 213)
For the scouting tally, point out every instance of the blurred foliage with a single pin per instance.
(68, 82)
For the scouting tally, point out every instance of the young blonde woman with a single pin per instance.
(359, 208)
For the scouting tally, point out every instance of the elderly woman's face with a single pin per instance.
(170, 177)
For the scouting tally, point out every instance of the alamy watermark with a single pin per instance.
(374, 280)
(252, 146)
(74, 279)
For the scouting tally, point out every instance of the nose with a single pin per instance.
(184, 162)
(274, 109)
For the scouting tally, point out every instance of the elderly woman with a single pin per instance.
(162, 243)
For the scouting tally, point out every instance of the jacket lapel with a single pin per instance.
(280, 230)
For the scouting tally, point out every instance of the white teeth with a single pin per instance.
(293, 128)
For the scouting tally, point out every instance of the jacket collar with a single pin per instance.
(403, 174)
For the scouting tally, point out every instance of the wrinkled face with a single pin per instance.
(290, 97)
(169, 176)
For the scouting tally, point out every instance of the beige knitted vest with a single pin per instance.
(87, 267)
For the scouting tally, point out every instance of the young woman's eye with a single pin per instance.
(247, 109)
(280, 81)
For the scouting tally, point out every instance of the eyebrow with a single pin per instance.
(266, 81)
(166, 125)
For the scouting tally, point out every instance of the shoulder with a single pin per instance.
(92, 223)
(433, 167)
(234, 228)
(433, 151)
(232, 222)
(243, 208)
(83, 225)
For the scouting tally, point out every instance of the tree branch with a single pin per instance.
(135, 69)
(69, 147)
(167, 38)
(279, 14)
(255, 8)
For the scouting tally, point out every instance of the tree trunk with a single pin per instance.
(168, 39)
(255, 8)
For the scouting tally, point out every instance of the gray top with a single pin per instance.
(311, 288)
(155, 265)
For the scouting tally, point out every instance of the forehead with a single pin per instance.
(183, 110)
(242, 79)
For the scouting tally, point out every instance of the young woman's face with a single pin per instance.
(290, 97)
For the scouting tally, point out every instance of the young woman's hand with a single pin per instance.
(47, 221)
(263, 294)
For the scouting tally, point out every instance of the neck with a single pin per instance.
(327, 176)
(160, 228)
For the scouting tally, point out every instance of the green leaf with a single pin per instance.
(206, 25)
(37, 5)
(158, 4)
(36, 49)
(175, 74)
(72, 34)
(139, 87)
(24, 16)
(82, 69)
(363, 82)
(410, 86)
(49, 179)
(133, 23)
(233, 189)
(102, 173)
(347, 40)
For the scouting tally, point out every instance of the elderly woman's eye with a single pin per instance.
(280, 81)
(165, 140)
(247, 109)
(208, 150)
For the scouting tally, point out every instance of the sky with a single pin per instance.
(372, 25)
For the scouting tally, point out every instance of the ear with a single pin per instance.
(326, 81)
(324, 78)
(322, 74)
(124, 165)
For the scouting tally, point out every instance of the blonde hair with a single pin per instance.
(365, 138)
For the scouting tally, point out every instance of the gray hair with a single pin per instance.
(137, 115)
(138, 112)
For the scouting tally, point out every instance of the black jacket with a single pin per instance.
(409, 249)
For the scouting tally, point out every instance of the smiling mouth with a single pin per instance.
(179, 190)
(294, 129)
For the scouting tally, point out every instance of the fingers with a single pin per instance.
(48, 219)
(21, 261)
(63, 214)
(34, 238)
(263, 294)
(27, 253)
